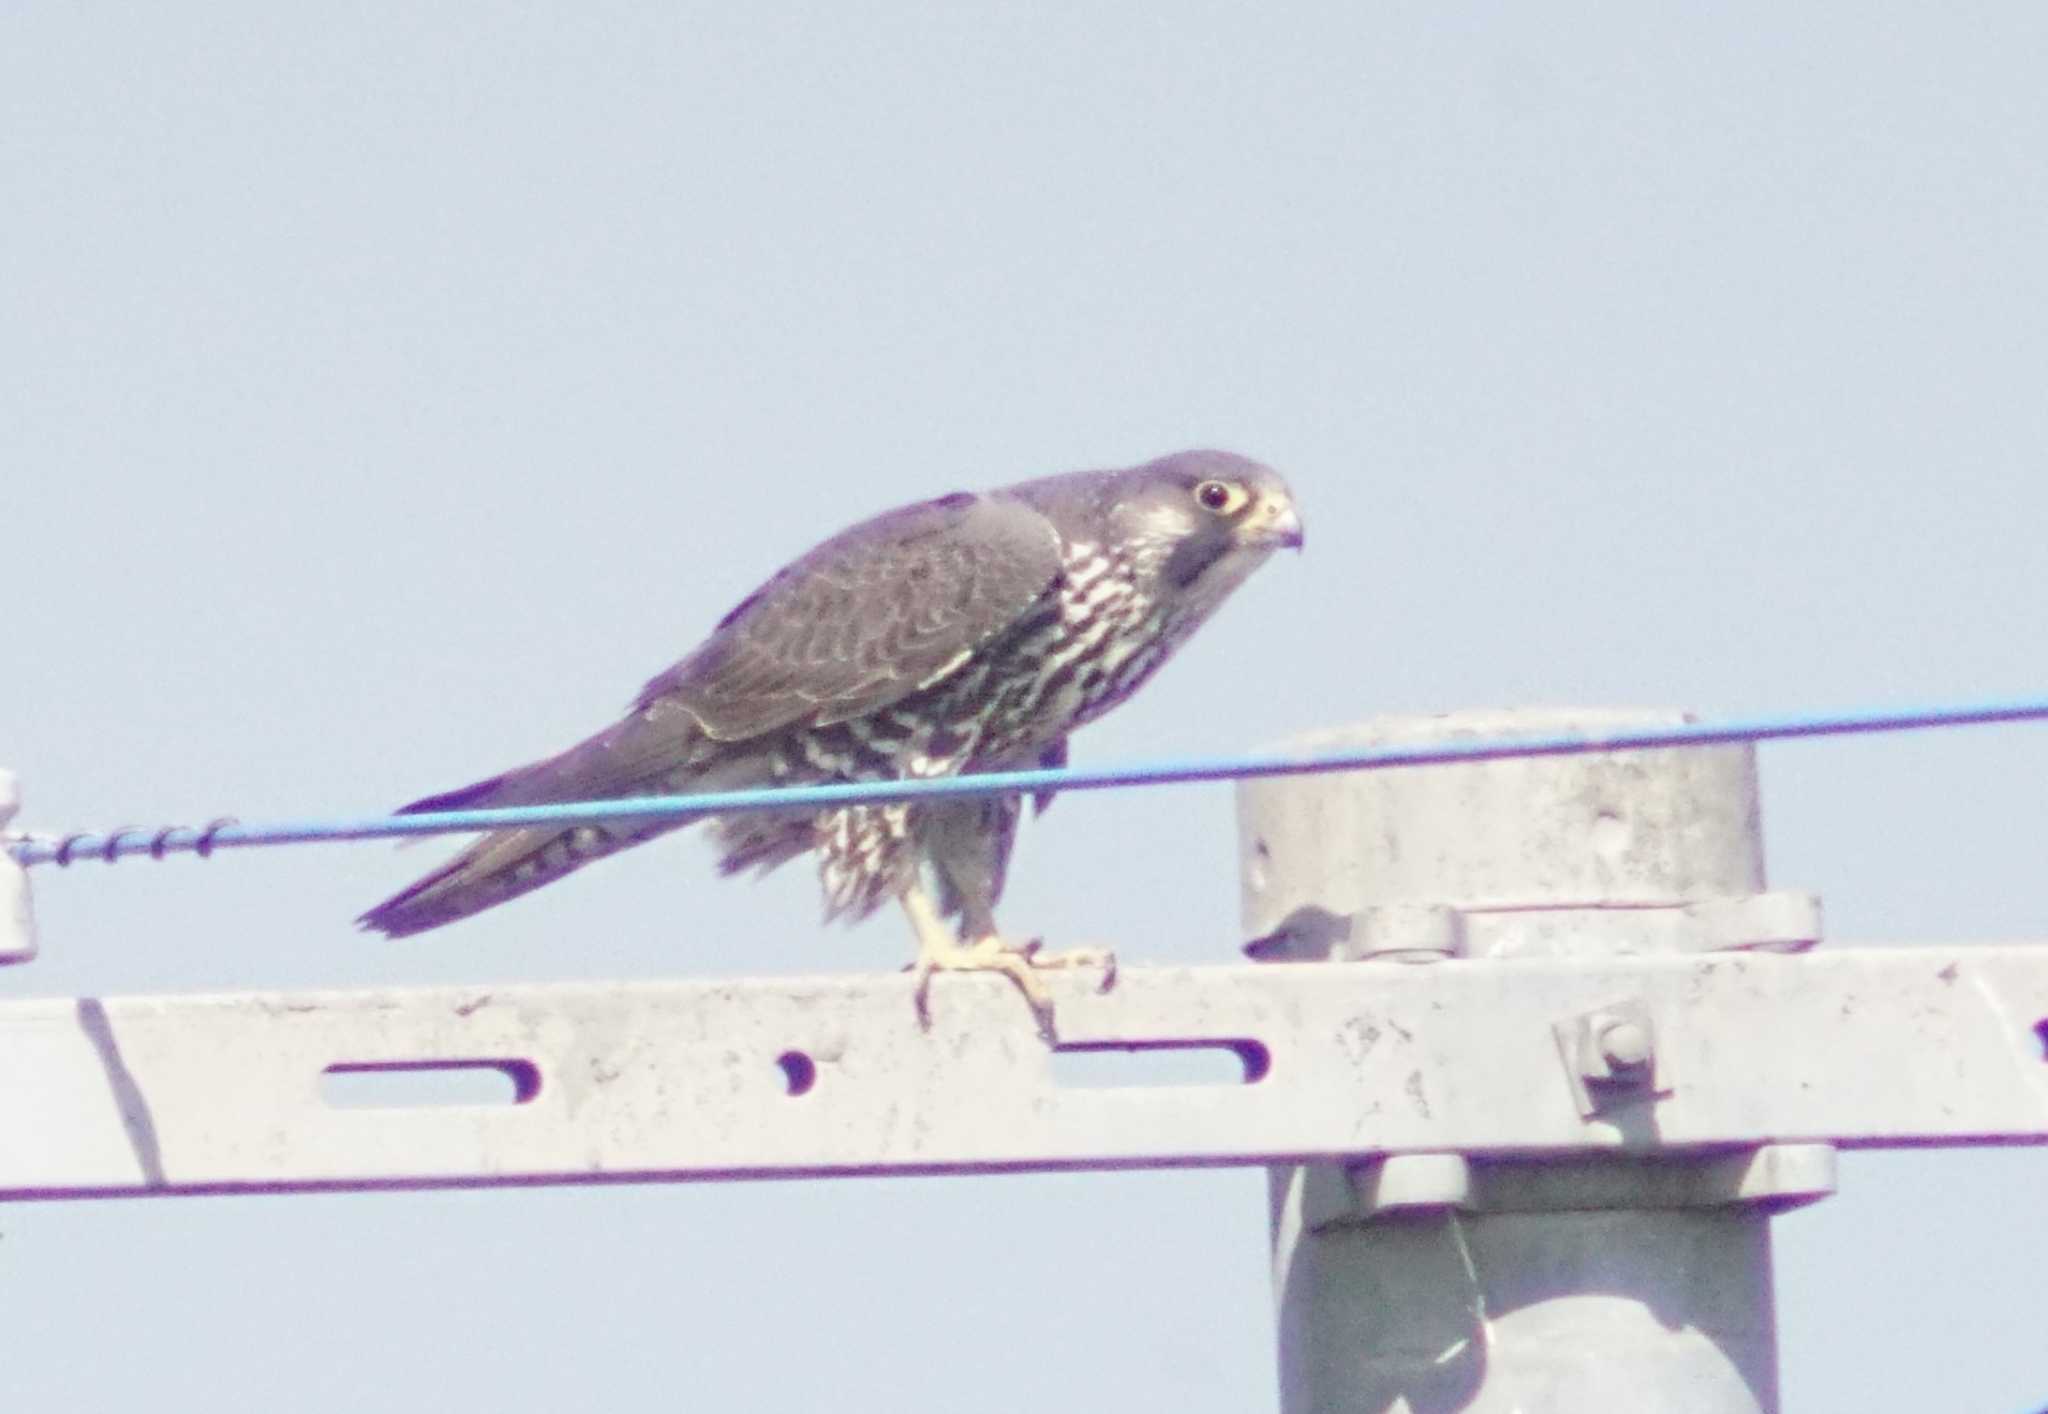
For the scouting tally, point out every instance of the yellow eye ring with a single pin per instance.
(1220, 497)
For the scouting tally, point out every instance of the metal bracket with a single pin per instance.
(1776, 920)
(17, 915)
(1610, 1057)
(1772, 1178)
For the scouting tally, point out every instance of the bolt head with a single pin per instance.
(1624, 1043)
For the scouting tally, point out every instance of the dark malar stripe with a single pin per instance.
(1192, 556)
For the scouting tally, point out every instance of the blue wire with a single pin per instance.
(118, 844)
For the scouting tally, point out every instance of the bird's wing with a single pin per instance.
(870, 616)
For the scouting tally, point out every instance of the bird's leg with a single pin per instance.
(986, 951)
(939, 951)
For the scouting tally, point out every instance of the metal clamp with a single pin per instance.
(1770, 1178)
(17, 917)
(1775, 920)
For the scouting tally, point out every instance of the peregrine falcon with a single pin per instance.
(968, 633)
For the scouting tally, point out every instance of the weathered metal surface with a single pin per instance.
(810, 1076)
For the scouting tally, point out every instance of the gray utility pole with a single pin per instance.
(1487, 1282)
(1544, 1056)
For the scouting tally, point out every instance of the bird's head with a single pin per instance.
(1200, 522)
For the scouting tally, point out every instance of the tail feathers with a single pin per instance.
(640, 753)
(504, 864)
(499, 867)
(494, 790)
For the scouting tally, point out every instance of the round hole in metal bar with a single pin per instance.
(799, 1072)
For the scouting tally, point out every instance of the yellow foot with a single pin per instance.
(983, 955)
(1020, 962)
(1103, 958)
(938, 951)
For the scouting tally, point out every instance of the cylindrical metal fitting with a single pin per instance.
(1493, 1310)
(1516, 845)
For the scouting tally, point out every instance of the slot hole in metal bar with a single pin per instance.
(1108, 1065)
(799, 1072)
(2041, 1036)
(386, 1085)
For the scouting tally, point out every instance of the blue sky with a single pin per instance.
(389, 390)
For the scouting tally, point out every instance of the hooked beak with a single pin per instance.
(1279, 526)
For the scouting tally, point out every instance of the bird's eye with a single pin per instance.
(1219, 496)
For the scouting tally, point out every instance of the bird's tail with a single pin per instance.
(507, 863)
(497, 868)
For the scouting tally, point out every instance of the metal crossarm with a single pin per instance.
(704, 1080)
